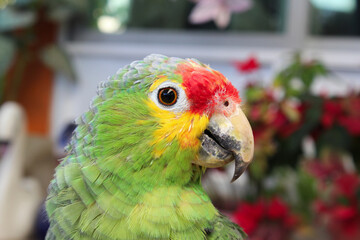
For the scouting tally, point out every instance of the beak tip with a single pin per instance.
(240, 167)
(237, 174)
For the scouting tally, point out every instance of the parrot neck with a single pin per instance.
(158, 200)
(176, 206)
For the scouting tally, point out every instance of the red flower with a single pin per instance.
(320, 207)
(341, 221)
(325, 170)
(248, 215)
(284, 124)
(260, 132)
(345, 112)
(247, 66)
(339, 212)
(262, 218)
(344, 212)
(277, 209)
(352, 124)
(280, 120)
(332, 110)
(255, 112)
(347, 185)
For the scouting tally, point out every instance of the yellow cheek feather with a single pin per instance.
(184, 127)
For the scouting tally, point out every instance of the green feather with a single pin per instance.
(110, 186)
(223, 229)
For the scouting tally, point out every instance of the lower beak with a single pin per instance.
(227, 139)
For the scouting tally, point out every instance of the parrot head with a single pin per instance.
(183, 113)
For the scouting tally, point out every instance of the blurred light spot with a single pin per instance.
(335, 5)
(107, 24)
(297, 84)
(115, 4)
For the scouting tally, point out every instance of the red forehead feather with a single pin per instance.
(205, 87)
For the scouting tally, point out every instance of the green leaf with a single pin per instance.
(320, 69)
(314, 113)
(278, 81)
(336, 138)
(254, 94)
(60, 14)
(4, 3)
(307, 76)
(7, 54)
(307, 193)
(10, 19)
(305, 71)
(78, 5)
(57, 59)
(258, 169)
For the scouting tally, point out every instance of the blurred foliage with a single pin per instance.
(307, 154)
(297, 78)
(306, 190)
(281, 124)
(20, 38)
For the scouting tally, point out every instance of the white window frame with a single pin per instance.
(337, 53)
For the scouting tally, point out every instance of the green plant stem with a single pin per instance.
(18, 74)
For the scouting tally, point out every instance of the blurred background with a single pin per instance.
(295, 63)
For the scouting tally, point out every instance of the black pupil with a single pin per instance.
(168, 95)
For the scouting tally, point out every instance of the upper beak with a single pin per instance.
(227, 139)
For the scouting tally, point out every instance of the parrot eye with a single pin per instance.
(170, 96)
(167, 96)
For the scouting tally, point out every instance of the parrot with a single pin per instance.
(134, 163)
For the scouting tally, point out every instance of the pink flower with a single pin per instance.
(217, 10)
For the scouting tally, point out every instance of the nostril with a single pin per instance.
(226, 103)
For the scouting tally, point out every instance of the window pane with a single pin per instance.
(118, 15)
(335, 17)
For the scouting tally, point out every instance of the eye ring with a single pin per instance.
(167, 96)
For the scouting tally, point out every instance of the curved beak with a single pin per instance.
(227, 139)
